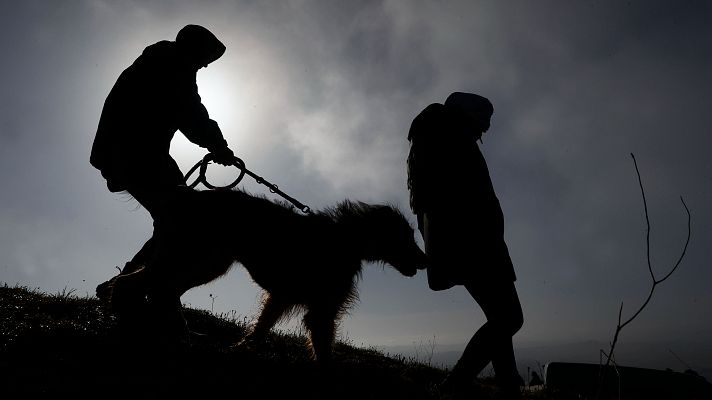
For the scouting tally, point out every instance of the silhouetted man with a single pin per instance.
(153, 98)
(462, 225)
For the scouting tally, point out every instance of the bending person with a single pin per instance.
(152, 99)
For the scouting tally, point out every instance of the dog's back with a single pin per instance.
(282, 249)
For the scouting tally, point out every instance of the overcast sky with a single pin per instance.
(318, 96)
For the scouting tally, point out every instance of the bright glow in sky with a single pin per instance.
(220, 94)
(318, 96)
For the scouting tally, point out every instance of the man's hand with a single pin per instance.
(223, 156)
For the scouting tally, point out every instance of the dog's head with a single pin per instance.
(394, 241)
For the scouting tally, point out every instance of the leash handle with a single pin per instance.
(202, 166)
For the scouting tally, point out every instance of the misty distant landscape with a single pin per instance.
(532, 357)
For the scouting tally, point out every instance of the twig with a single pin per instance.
(656, 281)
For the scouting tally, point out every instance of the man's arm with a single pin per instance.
(196, 125)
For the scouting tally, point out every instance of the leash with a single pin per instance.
(202, 166)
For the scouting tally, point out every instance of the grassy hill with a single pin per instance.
(65, 345)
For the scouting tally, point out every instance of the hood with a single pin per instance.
(470, 103)
(476, 110)
(199, 44)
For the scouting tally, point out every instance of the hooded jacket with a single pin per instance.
(152, 99)
(449, 183)
(445, 162)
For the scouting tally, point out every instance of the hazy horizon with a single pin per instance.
(318, 98)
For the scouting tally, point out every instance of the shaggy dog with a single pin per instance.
(303, 262)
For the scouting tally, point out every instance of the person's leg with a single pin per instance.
(167, 205)
(163, 203)
(141, 257)
(159, 189)
(475, 357)
(493, 340)
(157, 202)
(500, 303)
(149, 200)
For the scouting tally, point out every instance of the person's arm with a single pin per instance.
(197, 126)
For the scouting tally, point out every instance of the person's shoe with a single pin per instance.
(103, 291)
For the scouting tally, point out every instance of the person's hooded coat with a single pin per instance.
(151, 99)
(450, 186)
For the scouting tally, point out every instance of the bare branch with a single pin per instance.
(610, 357)
(647, 218)
(679, 260)
(620, 312)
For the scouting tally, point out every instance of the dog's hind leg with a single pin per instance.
(273, 309)
(321, 324)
